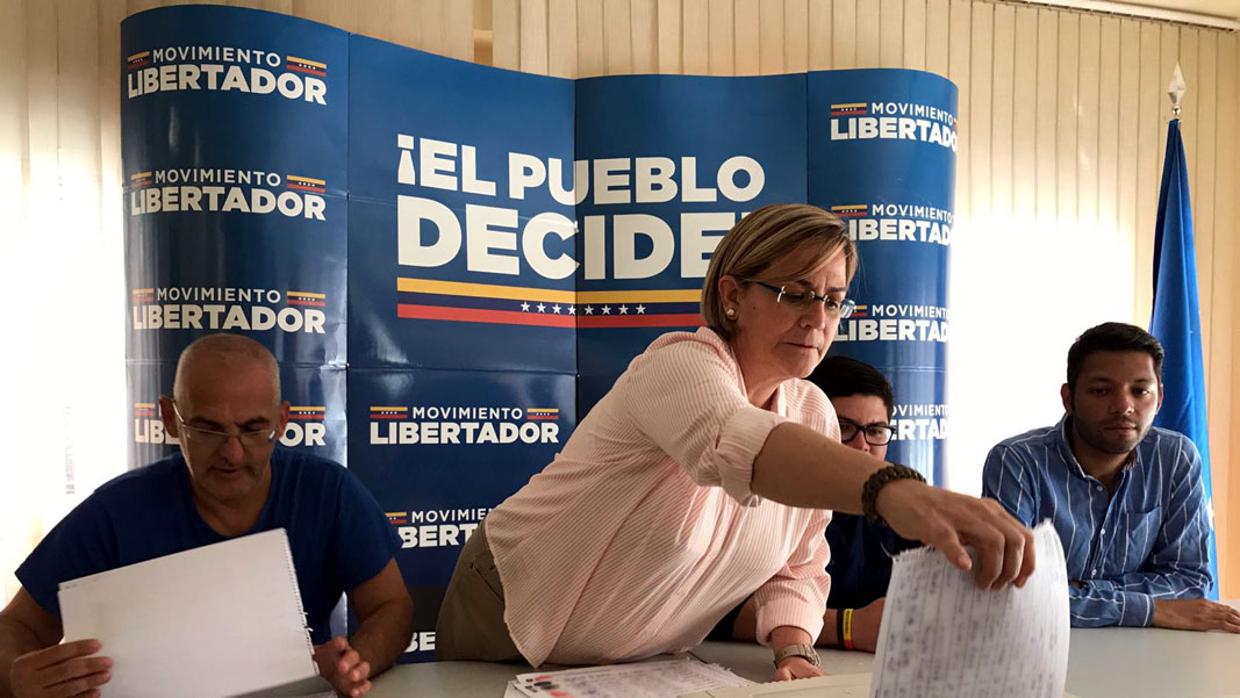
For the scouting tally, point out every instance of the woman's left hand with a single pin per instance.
(797, 667)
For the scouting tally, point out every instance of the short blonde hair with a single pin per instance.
(766, 236)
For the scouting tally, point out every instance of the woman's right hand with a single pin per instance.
(949, 521)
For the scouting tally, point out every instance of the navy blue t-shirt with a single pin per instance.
(338, 535)
(860, 565)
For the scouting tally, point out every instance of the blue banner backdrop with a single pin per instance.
(457, 240)
(235, 195)
(669, 165)
(508, 241)
(882, 155)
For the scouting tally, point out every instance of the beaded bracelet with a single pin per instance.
(881, 478)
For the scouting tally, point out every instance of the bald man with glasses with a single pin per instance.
(860, 566)
(229, 479)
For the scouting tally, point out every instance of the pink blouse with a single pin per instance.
(643, 532)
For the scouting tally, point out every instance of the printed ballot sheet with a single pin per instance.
(220, 620)
(941, 636)
(660, 678)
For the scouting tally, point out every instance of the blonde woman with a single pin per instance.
(706, 474)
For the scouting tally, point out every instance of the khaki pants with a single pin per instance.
(471, 620)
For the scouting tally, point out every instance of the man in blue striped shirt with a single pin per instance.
(1126, 498)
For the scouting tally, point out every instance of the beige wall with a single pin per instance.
(1062, 128)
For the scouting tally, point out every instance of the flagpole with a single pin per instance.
(1176, 317)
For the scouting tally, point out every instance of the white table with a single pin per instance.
(1103, 663)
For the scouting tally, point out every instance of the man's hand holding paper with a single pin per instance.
(71, 669)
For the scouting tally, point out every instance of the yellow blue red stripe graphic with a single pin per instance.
(429, 299)
(305, 65)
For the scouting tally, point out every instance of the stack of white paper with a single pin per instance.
(220, 620)
(653, 679)
(942, 636)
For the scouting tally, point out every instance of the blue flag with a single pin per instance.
(1177, 322)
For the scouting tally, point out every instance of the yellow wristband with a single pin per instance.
(848, 643)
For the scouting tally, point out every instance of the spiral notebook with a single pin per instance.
(220, 620)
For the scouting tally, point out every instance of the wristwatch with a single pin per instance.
(806, 651)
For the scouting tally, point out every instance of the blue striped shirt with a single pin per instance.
(1145, 542)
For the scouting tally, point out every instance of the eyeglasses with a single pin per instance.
(802, 299)
(876, 433)
(209, 438)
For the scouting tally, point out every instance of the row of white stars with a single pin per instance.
(589, 309)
